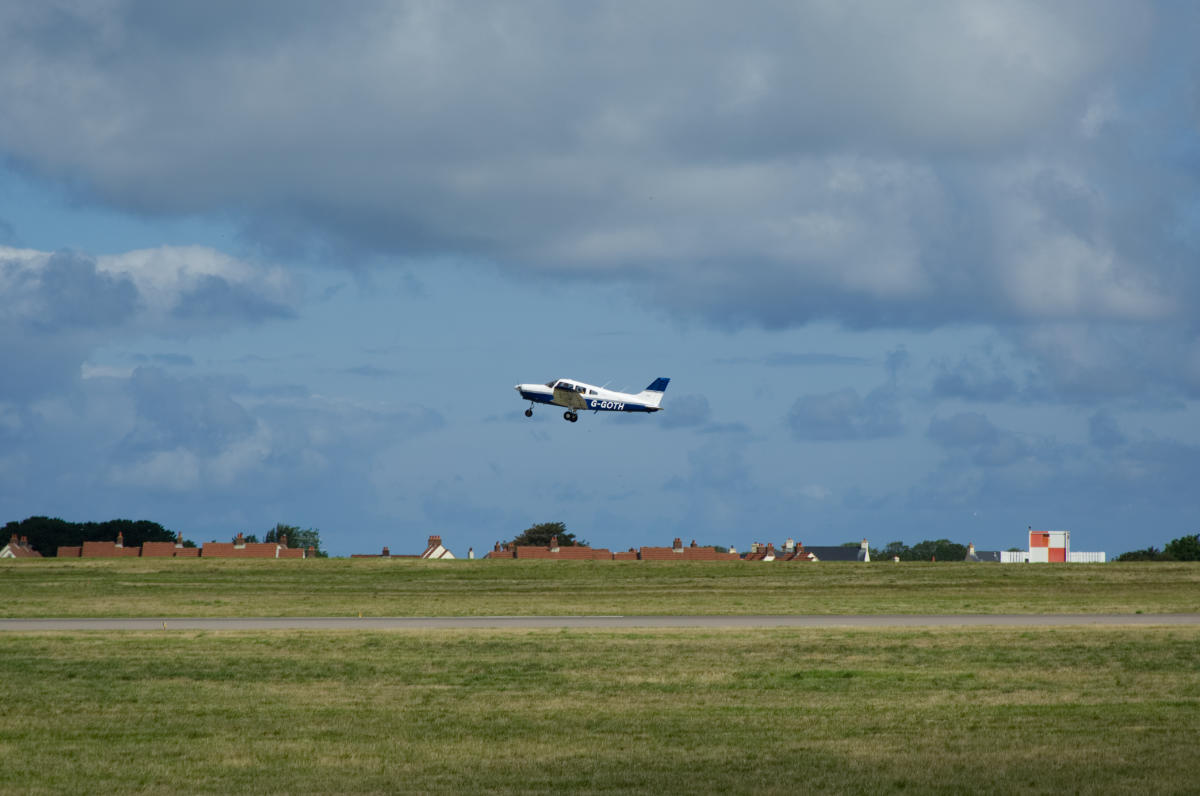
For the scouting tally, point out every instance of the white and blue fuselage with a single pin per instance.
(576, 395)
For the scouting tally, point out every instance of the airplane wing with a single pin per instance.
(569, 399)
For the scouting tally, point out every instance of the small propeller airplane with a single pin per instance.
(575, 395)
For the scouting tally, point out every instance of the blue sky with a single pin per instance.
(916, 270)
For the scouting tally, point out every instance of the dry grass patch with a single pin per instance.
(536, 711)
(406, 587)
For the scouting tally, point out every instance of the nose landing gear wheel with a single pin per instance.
(528, 413)
(571, 416)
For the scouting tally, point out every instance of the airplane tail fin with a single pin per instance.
(653, 394)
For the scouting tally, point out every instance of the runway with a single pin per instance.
(592, 622)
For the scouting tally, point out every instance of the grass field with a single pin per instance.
(1067, 709)
(407, 587)
(933, 711)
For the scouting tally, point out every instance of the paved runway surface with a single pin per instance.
(598, 622)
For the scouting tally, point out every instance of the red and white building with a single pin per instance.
(1049, 547)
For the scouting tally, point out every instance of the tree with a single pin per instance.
(539, 535)
(1150, 553)
(1185, 548)
(941, 549)
(297, 537)
(894, 550)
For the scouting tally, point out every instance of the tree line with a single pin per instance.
(927, 550)
(1185, 548)
(47, 534)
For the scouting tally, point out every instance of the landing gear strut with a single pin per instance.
(571, 416)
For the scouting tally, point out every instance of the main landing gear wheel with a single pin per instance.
(571, 416)
(529, 413)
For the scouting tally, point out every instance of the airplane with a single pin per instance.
(575, 394)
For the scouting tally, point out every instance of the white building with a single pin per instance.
(1050, 547)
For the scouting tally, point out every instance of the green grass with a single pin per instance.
(344, 587)
(1034, 710)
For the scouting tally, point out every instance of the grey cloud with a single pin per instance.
(966, 429)
(67, 292)
(1103, 431)
(766, 165)
(371, 372)
(919, 165)
(844, 415)
(974, 434)
(179, 360)
(796, 359)
(686, 411)
(215, 298)
(196, 414)
(971, 380)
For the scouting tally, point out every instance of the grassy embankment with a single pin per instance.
(1040, 710)
(406, 587)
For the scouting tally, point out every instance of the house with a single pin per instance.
(840, 553)
(677, 552)
(19, 548)
(240, 548)
(435, 550)
(981, 555)
(173, 549)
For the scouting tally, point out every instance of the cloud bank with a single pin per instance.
(905, 164)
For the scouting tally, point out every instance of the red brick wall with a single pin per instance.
(99, 550)
(158, 550)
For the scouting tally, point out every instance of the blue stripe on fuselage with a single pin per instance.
(539, 397)
(597, 404)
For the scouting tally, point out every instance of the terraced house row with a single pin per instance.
(791, 551)
(239, 548)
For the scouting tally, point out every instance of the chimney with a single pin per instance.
(790, 544)
(283, 540)
(733, 549)
(471, 553)
(120, 539)
(693, 543)
(179, 540)
(496, 547)
(25, 543)
(386, 553)
(14, 541)
(435, 541)
(864, 551)
(240, 541)
(677, 544)
(554, 543)
(309, 553)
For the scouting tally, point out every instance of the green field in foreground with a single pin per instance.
(1040, 710)
(408, 587)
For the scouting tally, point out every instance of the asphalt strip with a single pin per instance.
(598, 622)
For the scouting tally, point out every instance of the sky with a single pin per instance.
(916, 270)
